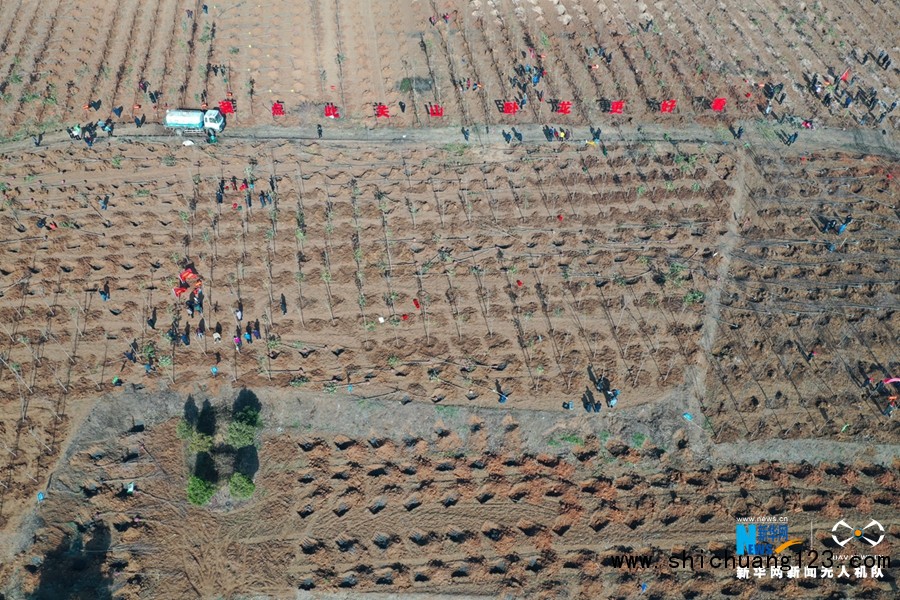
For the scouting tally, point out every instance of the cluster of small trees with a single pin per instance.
(198, 430)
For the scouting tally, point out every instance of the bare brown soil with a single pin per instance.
(694, 274)
(446, 506)
(60, 56)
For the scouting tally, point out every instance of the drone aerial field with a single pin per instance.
(468, 299)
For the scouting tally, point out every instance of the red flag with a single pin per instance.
(846, 75)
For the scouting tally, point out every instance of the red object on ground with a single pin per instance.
(179, 291)
(234, 206)
(510, 108)
(718, 104)
(187, 276)
(243, 187)
(435, 110)
(617, 107)
(405, 317)
(564, 108)
(416, 303)
(560, 218)
(519, 282)
(846, 75)
(331, 111)
(748, 95)
(278, 109)
(667, 106)
(381, 110)
(226, 107)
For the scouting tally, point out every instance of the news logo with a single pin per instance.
(858, 534)
(760, 539)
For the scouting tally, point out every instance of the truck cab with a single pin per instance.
(213, 120)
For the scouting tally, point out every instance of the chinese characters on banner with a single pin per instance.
(562, 107)
(667, 106)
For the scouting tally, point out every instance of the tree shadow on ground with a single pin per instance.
(205, 467)
(191, 412)
(74, 570)
(246, 461)
(246, 399)
(206, 420)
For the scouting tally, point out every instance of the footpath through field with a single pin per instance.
(757, 133)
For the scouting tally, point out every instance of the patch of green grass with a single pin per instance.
(638, 439)
(447, 411)
(676, 273)
(694, 297)
(572, 439)
(142, 193)
(456, 149)
(205, 37)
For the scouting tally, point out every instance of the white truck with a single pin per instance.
(194, 121)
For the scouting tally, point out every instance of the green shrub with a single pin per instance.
(248, 416)
(184, 430)
(240, 434)
(199, 491)
(694, 297)
(241, 486)
(200, 442)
